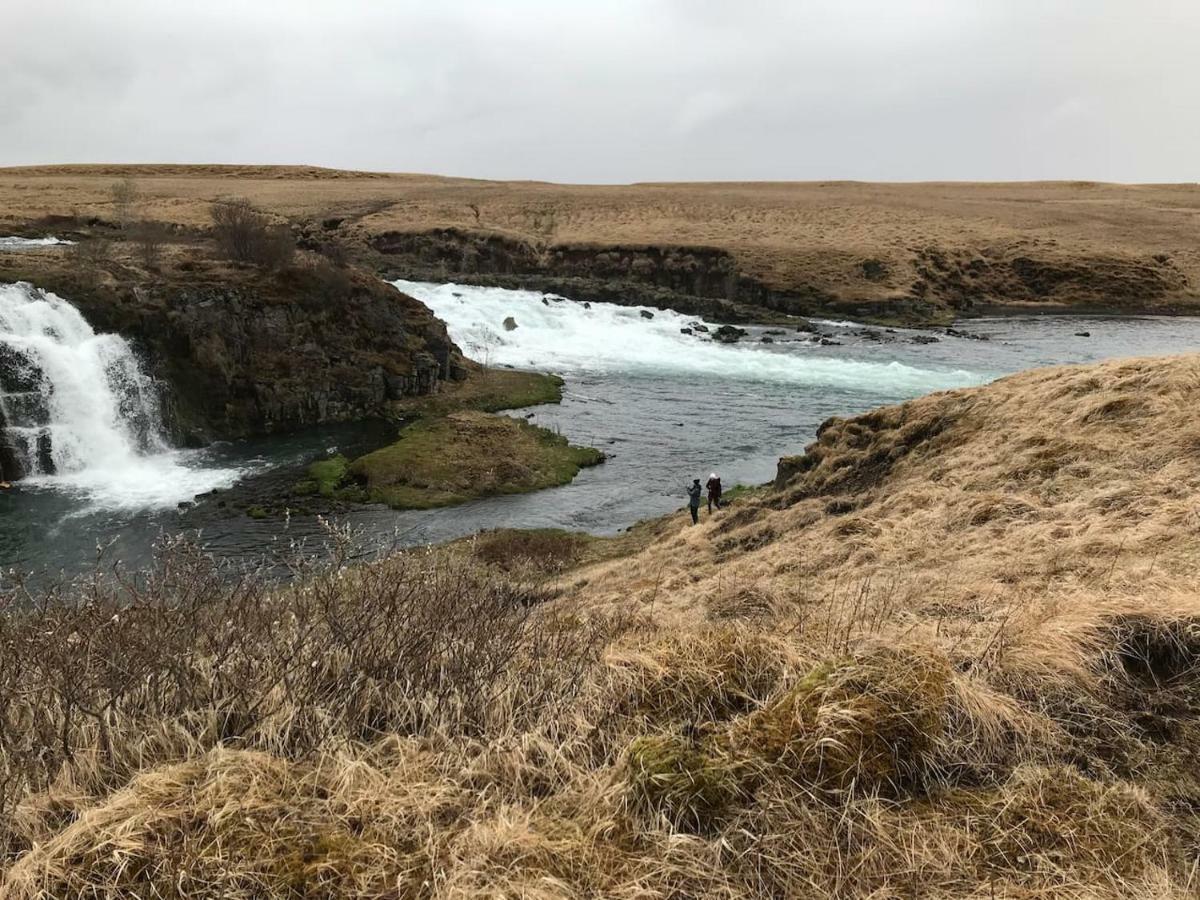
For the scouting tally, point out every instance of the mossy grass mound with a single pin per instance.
(467, 455)
(487, 390)
(324, 476)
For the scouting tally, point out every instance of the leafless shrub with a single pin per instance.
(245, 234)
(333, 282)
(125, 199)
(150, 237)
(89, 256)
(416, 643)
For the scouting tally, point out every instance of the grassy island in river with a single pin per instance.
(451, 459)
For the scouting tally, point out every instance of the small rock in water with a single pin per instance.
(686, 331)
(954, 332)
(586, 305)
(767, 339)
(924, 339)
(510, 324)
(545, 302)
(700, 327)
(1083, 334)
(646, 314)
(829, 342)
(729, 334)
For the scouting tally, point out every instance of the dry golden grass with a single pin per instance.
(787, 235)
(953, 653)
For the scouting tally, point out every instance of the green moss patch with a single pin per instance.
(325, 476)
(488, 390)
(689, 784)
(465, 456)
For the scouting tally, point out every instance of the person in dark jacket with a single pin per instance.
(714, 492)
(694, 500)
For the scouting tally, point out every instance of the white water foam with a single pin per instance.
(569, 337)
(20, 243)
(80, 415)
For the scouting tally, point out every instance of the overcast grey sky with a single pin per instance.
(613, 90)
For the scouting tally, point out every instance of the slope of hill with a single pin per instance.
(952, 651)
(917, 252)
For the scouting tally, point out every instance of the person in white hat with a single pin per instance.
(714, 492)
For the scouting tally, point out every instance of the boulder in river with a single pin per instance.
(686, 331)
(924, 339)
(766, 339)
(510, 324)
(729, 334)
(701, 328)
(646, 314)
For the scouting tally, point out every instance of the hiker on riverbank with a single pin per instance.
(694, 500)
(714, 492)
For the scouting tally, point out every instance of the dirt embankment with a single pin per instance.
(890, 252)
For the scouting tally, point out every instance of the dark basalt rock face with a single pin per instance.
(249, 352)
(963, 279)
(700, 281)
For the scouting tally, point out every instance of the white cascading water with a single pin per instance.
(22, 243)
(567, 336)
(78, 413)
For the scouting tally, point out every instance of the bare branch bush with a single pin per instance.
(125, 199)
(244, 233)
(150, 238)
(99, 673)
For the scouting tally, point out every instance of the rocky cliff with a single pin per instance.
(247, 351)
(702, 281)
(923, 285)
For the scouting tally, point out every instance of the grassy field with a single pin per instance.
(951, 652)
(1076, 243)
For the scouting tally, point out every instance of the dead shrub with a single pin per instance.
(545, 549)
(149, 238)
(245, 234)
(410, 644)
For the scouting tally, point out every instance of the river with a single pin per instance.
(666, 407)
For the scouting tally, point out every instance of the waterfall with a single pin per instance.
(78, 412)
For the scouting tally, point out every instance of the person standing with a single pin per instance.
(714, 492)
(694, 500)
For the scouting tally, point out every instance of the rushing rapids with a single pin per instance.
(546, 332)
